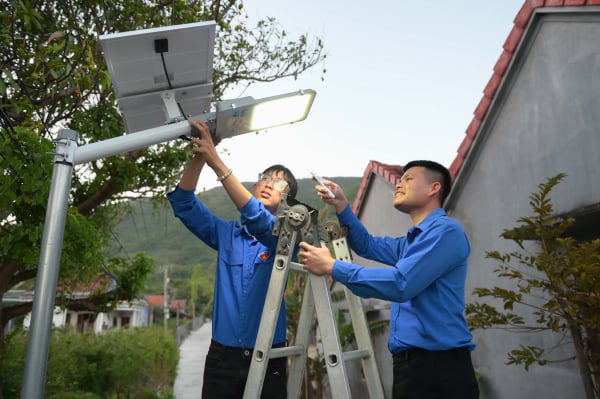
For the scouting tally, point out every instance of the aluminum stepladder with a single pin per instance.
(298, 222)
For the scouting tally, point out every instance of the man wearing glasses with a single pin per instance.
(245, 258)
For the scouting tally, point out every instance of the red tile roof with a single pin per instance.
(154, 300)
(394, 172)
(178, 303)
(102, 283)
(510, 45)
(158, 301)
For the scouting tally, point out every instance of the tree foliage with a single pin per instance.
(558, 278)
(54, 76)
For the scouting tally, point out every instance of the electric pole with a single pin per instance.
(166, 295)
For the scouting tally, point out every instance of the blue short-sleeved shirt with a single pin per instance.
(425, 283)
(244, 266)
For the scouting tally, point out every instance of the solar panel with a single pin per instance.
(157, 73)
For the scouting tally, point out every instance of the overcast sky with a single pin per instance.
(403, 80)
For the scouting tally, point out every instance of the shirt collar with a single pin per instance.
(242, 230)
(425, 223)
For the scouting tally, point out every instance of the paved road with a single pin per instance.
(192, 354)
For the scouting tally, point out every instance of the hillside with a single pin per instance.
(154, 230)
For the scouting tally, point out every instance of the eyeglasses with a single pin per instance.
(278, 183)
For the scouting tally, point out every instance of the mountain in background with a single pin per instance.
(153, 229)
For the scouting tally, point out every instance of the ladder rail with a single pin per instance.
(360, 327)
(266, 330)
(334, 361)
(298, 364)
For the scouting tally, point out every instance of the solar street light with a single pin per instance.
(161, 77)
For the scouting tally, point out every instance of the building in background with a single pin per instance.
(124, 315)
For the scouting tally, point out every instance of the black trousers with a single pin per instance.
(226, 370)
(420, 374)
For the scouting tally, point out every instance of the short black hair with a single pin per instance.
(438, 173)
(287, 175)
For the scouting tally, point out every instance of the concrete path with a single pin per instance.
(192, 354)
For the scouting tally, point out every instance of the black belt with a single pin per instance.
(238, 348)
(414, 353)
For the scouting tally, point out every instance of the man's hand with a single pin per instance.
(339, 202)
(204, 146)
(317, 260)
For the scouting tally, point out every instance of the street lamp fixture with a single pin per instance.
(246, 114)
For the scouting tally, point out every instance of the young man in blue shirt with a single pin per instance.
(245, 258)
(429, 338)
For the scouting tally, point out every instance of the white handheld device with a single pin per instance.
(318, 179)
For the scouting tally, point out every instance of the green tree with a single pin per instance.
(54, 75)
(557, 278)
(24, 188)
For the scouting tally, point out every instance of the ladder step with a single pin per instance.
(295, 350)
(356, 354)
(297, 267)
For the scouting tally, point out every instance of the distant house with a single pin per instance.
(137, 313)
(539, 116)
(177, 307)
(125, 315)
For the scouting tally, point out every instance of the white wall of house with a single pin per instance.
(125, 316)
(58, 318)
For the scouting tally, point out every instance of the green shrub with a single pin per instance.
(12, 363)
(138, 363)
